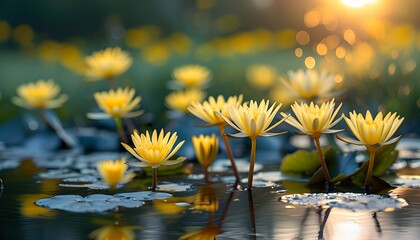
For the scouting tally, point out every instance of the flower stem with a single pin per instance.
(370, 168)
(229, 153)
(154, 179)
(206, 174)
(252, 162)
(120, 129)
(322, 159)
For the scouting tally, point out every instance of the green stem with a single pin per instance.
(229, 153)
(370, 168)
(154, 179)
(206, 174)
(322, 159)
(120, 129)
(252, 162)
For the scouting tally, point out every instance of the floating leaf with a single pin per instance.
(99, 202)
(144, 196)
(339, 166)
(223, 165)
(94, 185)
(349, 201)
(91, 203)
(175, 187)
(302, 163)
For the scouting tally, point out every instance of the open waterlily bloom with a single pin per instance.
(372, 132)
(312, 119)
(114, 172)
(206, 110)
(41, 95)
(192, 76)
(154, 150)
(252, 119)
(307, 85)
(107, 64)
(116, 104)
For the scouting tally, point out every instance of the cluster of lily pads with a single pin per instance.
(314, 116)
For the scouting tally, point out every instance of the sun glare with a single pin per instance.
(356, 3)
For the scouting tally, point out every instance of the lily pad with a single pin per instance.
(350, 201)
(99, 202)
(144, 196)
(175, 187)
(98, 185)
(91, 203)
(223, 165)
(59, 174)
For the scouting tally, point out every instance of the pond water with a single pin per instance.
(240, 214)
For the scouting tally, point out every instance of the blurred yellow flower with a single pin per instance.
(206, 199)
(306, 85)
(252, 119)
(261, 76)
(180, 100)
(116, 104)
(157, 53)
(113, 232)
(113, 172)
(206, 148)
(206, 110)
(107, 64)
(313, 119)
(192, 76)
(154, 150)
(372, 132)
(41, 94)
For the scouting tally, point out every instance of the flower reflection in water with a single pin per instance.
(29, 209)
(206, 201)
(113, 232)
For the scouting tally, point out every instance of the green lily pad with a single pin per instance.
(303, 163)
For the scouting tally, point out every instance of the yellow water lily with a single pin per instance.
(191, 76)
(116, 104)
(373, 133)
(41, 94)
(107, 64)
(253, 120)
(154, 150)
(181, 100)
(206, 110)
(261, 76)
(113, 232)
(210, 111)
(206, 149)
(313, 119)
(114, 172)
(306, 85)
